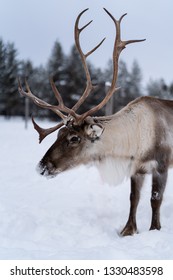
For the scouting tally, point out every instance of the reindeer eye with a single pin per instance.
(75, 139)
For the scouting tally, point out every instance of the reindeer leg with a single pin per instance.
(158, 187)
(136, 184)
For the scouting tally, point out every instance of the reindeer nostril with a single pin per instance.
(43, 171)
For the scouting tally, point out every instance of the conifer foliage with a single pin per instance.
(68, 75)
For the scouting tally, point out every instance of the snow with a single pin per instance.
(74, 215)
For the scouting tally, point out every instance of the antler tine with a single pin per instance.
(119, 45)
(43, 132)
(61, 105)
(89, 86)
(38, 101)
(56, 92)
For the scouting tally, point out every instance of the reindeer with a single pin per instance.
(136, 141)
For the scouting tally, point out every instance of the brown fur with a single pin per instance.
(139, 135)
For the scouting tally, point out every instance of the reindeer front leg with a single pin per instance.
(136, 184)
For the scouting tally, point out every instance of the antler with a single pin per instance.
(56, 109)
(43, 132)
(61, 107)
(89, 85)
(71, 114)
(119, 45)
(38, 101)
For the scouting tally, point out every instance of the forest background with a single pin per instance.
(68, 75)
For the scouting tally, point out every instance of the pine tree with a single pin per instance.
(97, 95)
(135, 81)
(56, 70)
(158, 88)
(121, 97)
(9, 82)
(2, 71)
(56, 62)
(26, 72)
(75, 78)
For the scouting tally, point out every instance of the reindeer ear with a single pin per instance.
(94, 131)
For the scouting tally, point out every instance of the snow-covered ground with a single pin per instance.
(73, 216)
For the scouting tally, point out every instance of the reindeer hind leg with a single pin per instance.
(158, 186)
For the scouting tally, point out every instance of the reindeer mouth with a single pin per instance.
(44, 171)
(48, 170)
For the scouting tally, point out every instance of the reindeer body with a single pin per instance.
(137, 140)
(134, 138)
(142, 136)
(127, 138)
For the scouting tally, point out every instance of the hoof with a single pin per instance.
(153, 227)
(129, 230)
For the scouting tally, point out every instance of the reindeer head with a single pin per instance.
(80, 140)
(74, 145)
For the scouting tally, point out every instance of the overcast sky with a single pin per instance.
(34, 25)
